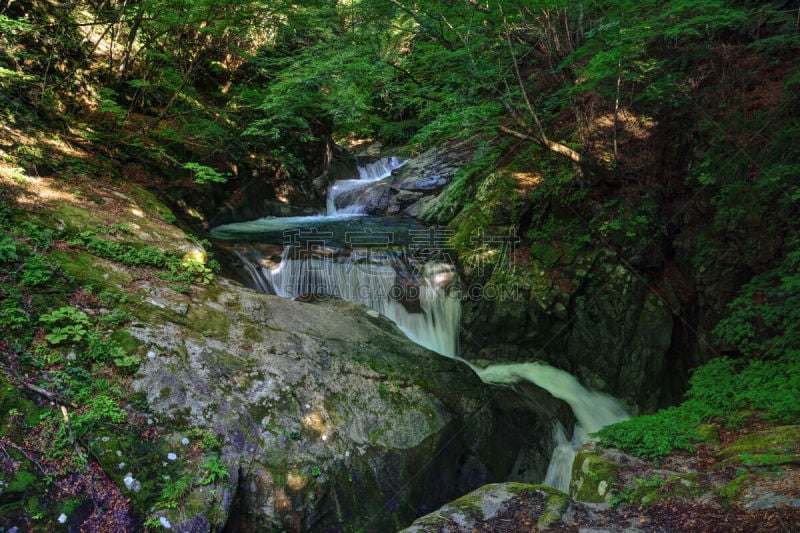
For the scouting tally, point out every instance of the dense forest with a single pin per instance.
(654, 138)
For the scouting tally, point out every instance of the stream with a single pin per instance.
(391, 266)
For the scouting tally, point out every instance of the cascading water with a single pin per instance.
(346, 189)
(592, 409)
(421, 297)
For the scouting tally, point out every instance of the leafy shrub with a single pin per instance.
(653, 436)
(724, 390)
(66, 323)
(204, 174)
(8, 250)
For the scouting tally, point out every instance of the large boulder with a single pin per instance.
(496, 506)
(329, 415)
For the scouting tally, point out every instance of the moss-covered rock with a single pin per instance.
(481, 507)
(605, 326)
(324, 426)
(772, 446)
(593, 476)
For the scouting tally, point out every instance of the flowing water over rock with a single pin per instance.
(592, 409)
(391, 266)
(344, 195)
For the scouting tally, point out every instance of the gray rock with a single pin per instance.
(328, 410)
(418, 207)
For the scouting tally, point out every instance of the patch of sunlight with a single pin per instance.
(15, 173)
(196, 255)
(36, 189)
(637, 126)
(194, 213)
(281, 499)
(296, 481)
(527, 181)
(137, 212)
(59, 145)
(315, 421)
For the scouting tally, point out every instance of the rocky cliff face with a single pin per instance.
(605, 326)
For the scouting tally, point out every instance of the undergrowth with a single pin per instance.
(65, 374)
(763, 322)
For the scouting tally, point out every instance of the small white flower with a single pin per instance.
(62, 518)
(164, 522)
(185, 441)
(171, 456)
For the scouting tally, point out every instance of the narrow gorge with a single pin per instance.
(378, 265)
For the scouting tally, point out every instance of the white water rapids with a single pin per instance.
(424, 300)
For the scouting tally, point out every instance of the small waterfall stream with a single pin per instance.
(421, 296)
(368, 173)
(592, 409)
(423, 300)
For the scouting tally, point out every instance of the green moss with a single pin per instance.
(209, 322)
(730, 492)
(150, 203)
(17, 412)
(252, 334)
(771, 446)
(593, 477)
(555, 505)
(707, 433)
(128, 342)
(92, 271)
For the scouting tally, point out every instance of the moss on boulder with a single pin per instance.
(593, 476)
(772, 446)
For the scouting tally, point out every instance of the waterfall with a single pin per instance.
(340, 199)
(592, 409)
(421, 296)
(423, 299)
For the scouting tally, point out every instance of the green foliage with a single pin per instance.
(653, 436)
(203, 174)
(13, 318)
(66, 323)
(640, 487)
(176, 491)
(764, 318)
(198, 272)
(213, 471)
(8, 250)
(722, 390)
(116, 318)
(36, 271)
(108, 104)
